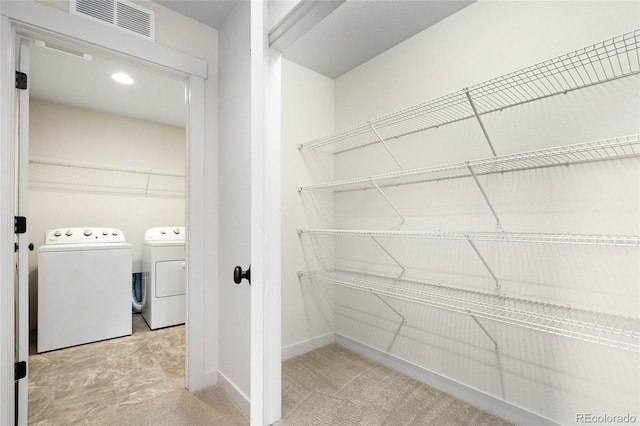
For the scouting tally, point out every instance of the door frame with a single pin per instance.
(29, 18)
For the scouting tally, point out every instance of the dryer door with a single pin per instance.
(170, 278)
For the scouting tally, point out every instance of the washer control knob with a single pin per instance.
(176, 231)
(163, 231)
(115, 232)
(87, 232)
(68, 233)
(57, 233)
(105, 232)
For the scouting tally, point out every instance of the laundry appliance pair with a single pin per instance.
(84, 284)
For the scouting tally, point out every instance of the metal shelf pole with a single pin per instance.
(390, 255)
(386, 146)
(475, 112)
(389, 201)
(484, 195)
(497, 351)
(486, 265)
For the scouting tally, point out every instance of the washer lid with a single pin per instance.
(50, 248)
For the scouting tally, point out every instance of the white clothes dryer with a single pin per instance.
(84, 287)
(164, 277)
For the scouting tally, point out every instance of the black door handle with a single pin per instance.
(30, 247)
(238, 275)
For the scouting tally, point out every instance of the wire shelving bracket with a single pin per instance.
(496, 349)
(373, 129)
(484, 195)
(486, 265)
(389, 201)
(616, 331)
(609, 60)
(404, 270)
(475, 113)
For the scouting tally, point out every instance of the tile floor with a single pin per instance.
(138, 380)
(115, 381)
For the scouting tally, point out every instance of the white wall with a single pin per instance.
(307, 113)
(235, 200)
(60, 132)
(552, 376)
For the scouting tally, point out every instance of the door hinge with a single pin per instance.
(20, 224)
(20, 370)
(21, 80)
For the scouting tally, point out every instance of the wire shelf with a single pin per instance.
(592, 326)
(600, 150)
(608, 60)
(91, 177)
(507, 237)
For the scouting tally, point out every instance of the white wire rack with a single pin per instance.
(608, 60)
(507, 237)
(90, 177)
(600, 150)
(592, 326)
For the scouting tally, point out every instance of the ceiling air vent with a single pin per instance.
(120, 14)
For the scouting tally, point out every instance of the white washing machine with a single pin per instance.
(84, 287)
(164, 277)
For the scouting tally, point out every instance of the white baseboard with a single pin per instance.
(210, 378)
(472, 396)
(237, 396)
(307, 346)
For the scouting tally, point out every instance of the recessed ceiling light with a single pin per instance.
(122, 78)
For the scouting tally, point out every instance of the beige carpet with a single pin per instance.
(334, 386)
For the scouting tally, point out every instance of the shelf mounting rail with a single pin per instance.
(616, 331)
(608, 60)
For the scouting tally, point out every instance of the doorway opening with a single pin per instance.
(112, 159)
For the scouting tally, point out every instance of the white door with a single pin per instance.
(22, 204)
(249, 315)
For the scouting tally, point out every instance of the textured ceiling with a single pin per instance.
(208, 12)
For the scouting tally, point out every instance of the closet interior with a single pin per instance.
(486, 238)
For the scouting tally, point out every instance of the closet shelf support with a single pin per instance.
(484, 195)
(385, 145)
(402, 318)
(389, 201)
(497, 351)
(486, 265)
(390, 255)
(475, 112)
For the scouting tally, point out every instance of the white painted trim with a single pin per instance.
(472, 396)
(258, 275)
(195, 223)
(35, 14)
(237, 396)
(23, 240)
(305, 346)
(300, 19)
(7, 211)
(272, 240)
